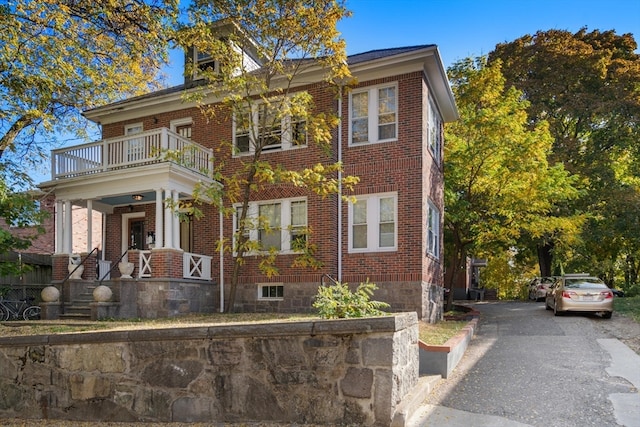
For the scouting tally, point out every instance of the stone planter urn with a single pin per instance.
(75, 267)
(126, 268)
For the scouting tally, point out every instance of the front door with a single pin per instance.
(136, 234)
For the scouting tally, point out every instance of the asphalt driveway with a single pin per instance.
(527, 367)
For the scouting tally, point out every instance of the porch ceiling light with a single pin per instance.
(137, 197)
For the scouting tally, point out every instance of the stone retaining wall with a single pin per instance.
(343, 372)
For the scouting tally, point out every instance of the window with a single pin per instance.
(263, 126)
(433, 231)
(435, 133)
(373, 113)
(270, 228)
(298, 229)
(182, 127)
(276, 224)
(373, 223)
(270, 291)
(204, 62)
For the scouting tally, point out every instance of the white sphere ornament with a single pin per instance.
(102, 293)
(50, 294)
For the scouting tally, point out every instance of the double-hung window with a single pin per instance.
(373, 223)
(433, 231)
(373, 114)
(435, 134)
(262, 125)
(276, 224)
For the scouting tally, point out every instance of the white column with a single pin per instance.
(168, 224)
(176, 221)
(59, 227)
(89, 225)
(159, 221)
(68, 231)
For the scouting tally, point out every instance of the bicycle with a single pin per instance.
(16, 309)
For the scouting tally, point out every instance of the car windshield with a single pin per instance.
(584, 283)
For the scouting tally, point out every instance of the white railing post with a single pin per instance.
(144, 264)
(164, 140)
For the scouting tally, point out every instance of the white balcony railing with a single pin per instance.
(154, 146)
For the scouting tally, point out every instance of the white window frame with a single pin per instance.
(372, 114)
(285, 227)
(373, 222)
(286, 133)
(435, 131)
(261, 286)
(197, 62)
(185, 121)
(433, 230)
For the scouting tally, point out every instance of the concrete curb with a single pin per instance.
(414, 399)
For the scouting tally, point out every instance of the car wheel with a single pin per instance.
(607, 315)
(556, 312)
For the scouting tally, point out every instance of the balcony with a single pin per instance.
(131, 151)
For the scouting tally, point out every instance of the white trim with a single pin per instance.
(262, 285)
(435, 250)
(124, 242)
(174, 124)
(373, 222)
(372, 114)
(285, 221)
(286, 137)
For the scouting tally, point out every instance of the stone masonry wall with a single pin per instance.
(342, 372)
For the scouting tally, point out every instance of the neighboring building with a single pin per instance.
(391, 236)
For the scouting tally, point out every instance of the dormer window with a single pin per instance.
(204, 62)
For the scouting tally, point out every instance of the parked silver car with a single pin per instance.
(538, 288)
(580, 293)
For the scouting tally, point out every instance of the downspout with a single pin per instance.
(221, 266)
(340, 185)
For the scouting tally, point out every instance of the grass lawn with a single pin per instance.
(628, 306)
(439, 333)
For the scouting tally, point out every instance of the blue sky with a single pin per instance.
(463, 28)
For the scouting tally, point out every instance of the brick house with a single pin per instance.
(391, 236)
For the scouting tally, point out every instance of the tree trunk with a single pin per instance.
(544, 259)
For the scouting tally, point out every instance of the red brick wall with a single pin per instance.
(404, 166)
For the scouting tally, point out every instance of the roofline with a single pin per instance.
(426, 57)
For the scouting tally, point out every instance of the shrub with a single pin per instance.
(338, 302)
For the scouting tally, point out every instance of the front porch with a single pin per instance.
(155, 287)
(137, 184)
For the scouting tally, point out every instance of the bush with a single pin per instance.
(338, 302)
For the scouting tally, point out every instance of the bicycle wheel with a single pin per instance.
(31, 313)
(4, 313)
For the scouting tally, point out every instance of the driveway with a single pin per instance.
(526, 367)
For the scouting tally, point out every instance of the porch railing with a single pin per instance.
(153, 146)
(195, 266)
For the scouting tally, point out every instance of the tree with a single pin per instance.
(60, 57)
(498, 182)
(585, 85)
(290, 39)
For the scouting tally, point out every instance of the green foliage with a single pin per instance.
(493, 197)
(585, 86)
(338, 302)
(59, 57)
(508, 276)
(288, 39)
(628, 306)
